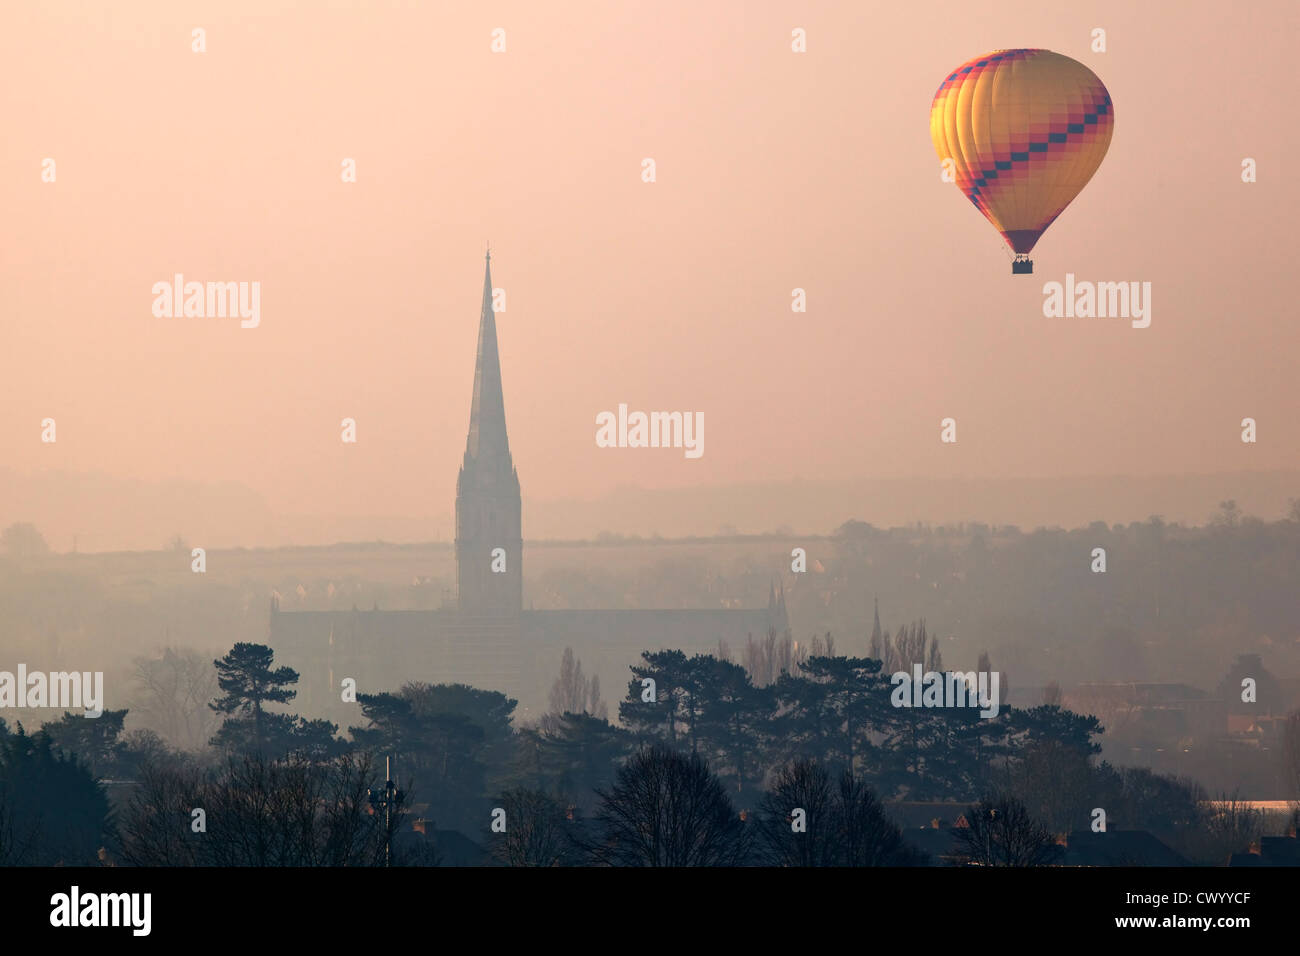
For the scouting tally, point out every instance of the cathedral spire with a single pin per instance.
(489, 528)
(487, 417)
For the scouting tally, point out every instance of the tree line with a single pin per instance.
(707, 766)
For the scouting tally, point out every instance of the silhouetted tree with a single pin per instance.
(157, 826)
(1224, 827)
(674, 710)
(440, 751)
(911, 645)
(767, 659)
(867, 837)
(829, 711)
(975, 754)
(571, 756)
(845, 823)
(804, 785)
(1050, 769)
(1137, 798)
(57, 812)
(283, 813)
(667, 809)
(281, 735)
(172, 695)
(21, 539)
(14, 848)
(248, 681)
(1001, 832)
(94, 740)
(538, 831)
(574, 693)
(733, 720)
(489, 710)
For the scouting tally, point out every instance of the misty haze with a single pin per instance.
(358, 508)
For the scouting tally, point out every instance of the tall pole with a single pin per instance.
(388, 803)
(384, 799)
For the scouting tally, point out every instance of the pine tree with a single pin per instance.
(248, 680)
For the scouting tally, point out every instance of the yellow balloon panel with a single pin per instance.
(1025, 130)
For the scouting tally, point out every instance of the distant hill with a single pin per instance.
(102, 513)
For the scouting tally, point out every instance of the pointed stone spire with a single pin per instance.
(488, 510)
(875, 628)
(487, 441)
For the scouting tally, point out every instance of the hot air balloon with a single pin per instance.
(1025, 131)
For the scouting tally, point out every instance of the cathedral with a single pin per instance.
(488, 639)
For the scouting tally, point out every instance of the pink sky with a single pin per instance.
(775, 171)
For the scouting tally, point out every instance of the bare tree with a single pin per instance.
(804, 785)
(1000, 832)
(867, 836)
(257, 812)
(667, 809)
(1226, 826)
(574, 693)
(911, 645)
(766, 660)
(158, 824)
(538, 831)
(843, 824)
(172, 695)
(21, 539)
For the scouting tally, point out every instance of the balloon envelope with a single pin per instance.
(1025, 130)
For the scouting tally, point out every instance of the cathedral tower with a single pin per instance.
(488, 510)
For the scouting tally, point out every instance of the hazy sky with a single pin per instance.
(775, 170)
